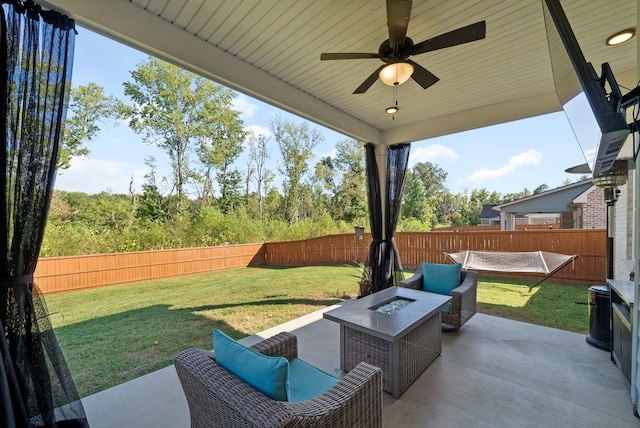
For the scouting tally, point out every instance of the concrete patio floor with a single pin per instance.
(494, 372)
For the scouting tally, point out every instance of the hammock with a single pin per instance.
(523, 262)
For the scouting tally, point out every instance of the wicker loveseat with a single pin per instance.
(218, 398)
(463, 305)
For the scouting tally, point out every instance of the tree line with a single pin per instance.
(209, 199)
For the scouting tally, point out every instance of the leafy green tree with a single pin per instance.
(445, 205)
(414, 202)
(350, 201)
(100, 211)
(89, 106)
(509, 197)
(459, 206)
(541, 188)
(231, 198)
(259, 153)
(322, 185)
(175, 110)
(296, 143)
(273, 204)
(433, 178)
(222, 145)
(150, 203)
(477, 199)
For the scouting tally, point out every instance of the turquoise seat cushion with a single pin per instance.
(306, 381)
(440, 279)
(269, 375)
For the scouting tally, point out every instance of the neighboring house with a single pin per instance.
(489, 217)
(578, 205)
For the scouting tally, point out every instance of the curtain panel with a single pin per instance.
(36, 387)
(376, 222)
(396, 169)
(384, 259)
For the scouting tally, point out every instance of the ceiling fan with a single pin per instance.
(396, 50)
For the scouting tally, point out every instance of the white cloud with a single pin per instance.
(246, 108)
(530, 157)
(433, 153)
(98, 175)
(254, 132)
(331, 153)
(257, 130)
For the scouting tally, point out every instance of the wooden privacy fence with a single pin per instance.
(325, 249)
(589, 244)
(57, 274)
(416, 247)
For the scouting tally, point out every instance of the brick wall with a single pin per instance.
(566, 220)
(623, 231)
(594, 213)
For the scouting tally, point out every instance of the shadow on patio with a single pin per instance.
(494, 372)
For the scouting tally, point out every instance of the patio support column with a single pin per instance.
(382, 157)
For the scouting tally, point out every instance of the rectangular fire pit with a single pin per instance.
(392, 306)
(397, 329)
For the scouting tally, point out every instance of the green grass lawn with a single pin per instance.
(550, 304)
(114, 334)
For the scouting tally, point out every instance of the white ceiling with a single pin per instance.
(270, 50)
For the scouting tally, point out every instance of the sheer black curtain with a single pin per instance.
(36, 388)
(384, 260)
(376, 222)
(396, 169)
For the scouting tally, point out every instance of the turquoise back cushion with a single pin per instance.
(440, 279)
(269, 375)
(307, 382)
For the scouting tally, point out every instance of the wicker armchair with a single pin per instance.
(218, 398)
(463, 305)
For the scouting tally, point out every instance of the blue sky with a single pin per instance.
(505, 158)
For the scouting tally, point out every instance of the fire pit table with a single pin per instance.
(397, 329)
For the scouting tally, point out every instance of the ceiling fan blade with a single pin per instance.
(369, 81)
(460, 36)
(398, 14)
(422, 76)
(349, 55)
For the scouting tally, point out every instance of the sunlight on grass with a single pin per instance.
(505, 294)
(550, 304)
(114, 334)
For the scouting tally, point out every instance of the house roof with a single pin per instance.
(488, 211)
(271, 50)
(552, 201)
(582, 198)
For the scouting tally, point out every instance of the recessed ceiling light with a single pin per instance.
(621, 37)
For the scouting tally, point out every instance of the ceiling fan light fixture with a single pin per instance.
(396, 73)
(621, 37)
(392, 110)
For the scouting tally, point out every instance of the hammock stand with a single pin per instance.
(522, 262)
